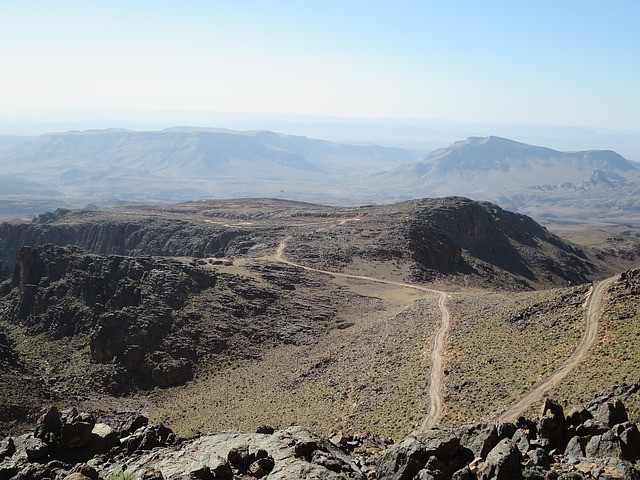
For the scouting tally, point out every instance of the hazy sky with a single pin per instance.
(562, 62)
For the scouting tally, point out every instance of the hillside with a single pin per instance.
(452, 238)
(592, 185)
(189, 163)
(332, 311)
(122, 167)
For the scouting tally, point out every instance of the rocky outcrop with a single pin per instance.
(121, 234)
(147, 320)
(504, 240)
(488, 452)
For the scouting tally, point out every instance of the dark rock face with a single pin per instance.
(502, 239)
(622, 441)
(406, 459)
(154, 453)
(145, 319)
(479, 439)
(552, 426)
(503, 462)
(140, 235)
(125, 305)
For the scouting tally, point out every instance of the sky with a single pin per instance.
(560, 62)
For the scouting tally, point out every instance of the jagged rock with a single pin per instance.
(622, 441)
(239, 457)
(103, 439)
(266, 429)
(152, 475)
(7, 448)
(540, 458)
(76, 429)
(552, 427)
(611, 413)
(194, 454)
(505, 430)
(35, 448)
(405, 459)
(480, 439)
(590, 428)
(575, 449)
(202, 473)
(150, 437)
(616, 469)
(49, 422)
(133, 424)
(578, 415)
(329, 461)
(522, 440)
(86, 470)
(34, 471)
(76, 476)
(464, 474)
(529, 426)
(503, 462)
(220, 468)
(262, 467)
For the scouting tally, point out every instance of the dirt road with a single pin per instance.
(437, 363)
(590, 335)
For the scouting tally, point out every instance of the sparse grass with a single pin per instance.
(615, 357)
(123, 475)
(503, 344)
(370, 377)
(533, 473)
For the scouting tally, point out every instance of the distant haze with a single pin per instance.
(533, 63)
(118, 167)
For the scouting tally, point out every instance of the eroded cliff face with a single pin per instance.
(481, 238)
(150, 320)
(120, 235)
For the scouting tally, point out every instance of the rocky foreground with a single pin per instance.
(595, 441)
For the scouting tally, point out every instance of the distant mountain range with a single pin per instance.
(189, 163)
(185, 163)
(544, 183)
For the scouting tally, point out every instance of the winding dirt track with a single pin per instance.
(437, 364)
(590, 335)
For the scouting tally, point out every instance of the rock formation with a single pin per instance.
(591, 442)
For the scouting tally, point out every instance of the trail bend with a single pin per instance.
(589, 337)
(437, 362)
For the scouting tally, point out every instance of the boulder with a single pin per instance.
(611, 413)
(503, 462)
(576, 448)
(133, 424)
(262, 467)
(265, 429)
(48, 423)
(540, 458)
(221, 468)
(7, 448)
(405, 459)
(622, 441)
(76, 434)
(590, 428)
(103, 439)
(36, 448)
(521, 439)
(479, 439)
(578, 415)
(552, 428)
(505, 430)
(239, 457)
